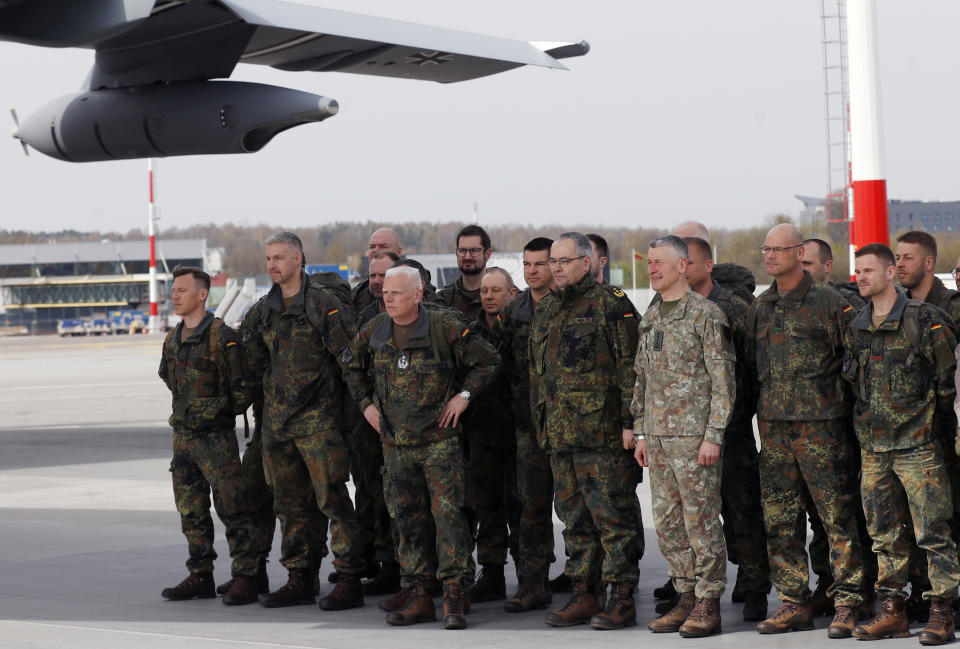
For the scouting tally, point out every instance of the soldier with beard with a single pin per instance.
(473, 251)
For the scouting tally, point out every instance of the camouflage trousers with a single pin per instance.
(366, 464)
(419, 481)
(596, 499)
(686, 512)
(320, 461)
(817, 456)
(535, 487)
(900, 485)
(493, 507)
(200, 465)
(742, 513)
(262, 516)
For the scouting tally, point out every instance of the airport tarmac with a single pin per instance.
(89, 533)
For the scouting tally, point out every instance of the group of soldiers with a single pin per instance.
(466, 416)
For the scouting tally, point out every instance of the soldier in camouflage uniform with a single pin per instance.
(382, 240)
(295, 335)
(202, 365)
(534, 478)
(899, 358)
(740, 484)
(682, 403)
(402, 370)
(582, 345)
(493, 506)
(916, 256)
(473, 251)
(794, 351)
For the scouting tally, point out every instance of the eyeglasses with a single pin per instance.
(778, 249)
(473, 252)
(565, 261)
(955, 272)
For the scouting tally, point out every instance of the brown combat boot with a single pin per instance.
(243, 590)
(789, 617)
(348, 593)
(386, 583)
(263, 582)
(397, 601)
(819, 603)
(298, 590)
(703, 620)
(531, 594)
(843, 623)
(198, 585)
(890, 622)
(490, 586)
(620, 611)
(940, 627)
(417, 607)
(454, 606)
(673, 619)
(583, 604)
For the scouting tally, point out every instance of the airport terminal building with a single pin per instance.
(41, 284)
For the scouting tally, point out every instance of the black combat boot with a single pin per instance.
(298, 590)
(387, 582)
(348, 593)
(561, 584)
(490, 585)
(199, 585)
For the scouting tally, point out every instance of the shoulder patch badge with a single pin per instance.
(346, 356)
(618, 292)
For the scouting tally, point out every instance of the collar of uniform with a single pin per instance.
(794, 298)
(384, 332)
(573, 291)
(207, 319)
(274, 298)
(864, 319)
(714, 292)
(678, 312)
(523, 306)
(936, 292)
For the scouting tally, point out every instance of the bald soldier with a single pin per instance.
(794, 349)
(382, 240)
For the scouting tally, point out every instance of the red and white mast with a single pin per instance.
(154, 324)
(868, 216)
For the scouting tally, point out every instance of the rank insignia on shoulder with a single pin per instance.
(247, 335)
(618, 292)
(346, 355)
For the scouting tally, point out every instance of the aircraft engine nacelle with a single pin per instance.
(191, 118)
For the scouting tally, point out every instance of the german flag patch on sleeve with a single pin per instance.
(847, 308)
(464, 332)
(333, 311)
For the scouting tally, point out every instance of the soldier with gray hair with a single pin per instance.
(682, 402)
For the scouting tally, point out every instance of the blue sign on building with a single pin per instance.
(340, 269)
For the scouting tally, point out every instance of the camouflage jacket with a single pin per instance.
(490, 415)
(945, 298)
(899, 387)
(794, 351)
(362, 297)
(454, 296)
(294, 355)
(849, 292)
(207, 378)
(685, 371)
(410, 386)
(583, 341)
(513, 332)
(735, 308)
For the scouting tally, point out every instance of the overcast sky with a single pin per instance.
(697, 109)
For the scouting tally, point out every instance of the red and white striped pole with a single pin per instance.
(866, 148)
(154, 324)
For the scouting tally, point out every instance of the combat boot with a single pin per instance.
(397, 601)
(673, 619)
(620, 611)
(298, 590)
(417, 607)
(820, 604)
(918, 609)
(243, 590)
(561, 584)
(198, 585)
(667, 591)
(387, 582)
(739, 593)
(890, 622)
(583, 605)
(754, 606)
(531, 594)
(789, 617)
(263, 581)
(843, 623)
(940, 627)
(703, 620)
(490, 585)
(348, 593)
(455, 607)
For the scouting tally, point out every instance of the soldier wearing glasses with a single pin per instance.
(582, 344)
(473, 251)
(793, 347)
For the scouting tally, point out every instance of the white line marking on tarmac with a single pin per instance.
(165, 635)
(75, 386)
